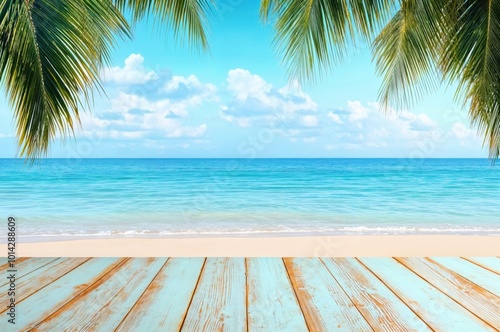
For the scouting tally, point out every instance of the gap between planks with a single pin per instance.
(145, 289)
(450, 271)
(395, 293)
(194, 292)
(473, 261)
(84, 291)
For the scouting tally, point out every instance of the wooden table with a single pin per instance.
(254, 294)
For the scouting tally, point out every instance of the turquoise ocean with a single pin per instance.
(92, 198)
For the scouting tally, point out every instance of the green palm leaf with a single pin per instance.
(179, 15)
(453, 40)
(471, 56)
(313, 35)
(51, 53)
(406, 52)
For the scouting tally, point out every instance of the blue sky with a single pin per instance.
(168, 100)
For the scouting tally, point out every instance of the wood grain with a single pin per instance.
(256, 294)
(439, 311)
(472, 297)
(104, 304)
(381, 308)
(478, 275)
(49, 299)
(272, 305)
(25, 267)
(44, 276)
(219, 303)
(489, 263)
(163, 306)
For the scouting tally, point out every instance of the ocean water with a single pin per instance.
(64, 198)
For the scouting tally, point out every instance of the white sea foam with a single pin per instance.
(277, 231)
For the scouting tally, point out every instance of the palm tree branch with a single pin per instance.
(314, 35)
(50, 57)
(406, 53)
(471, 56)
(179, 15)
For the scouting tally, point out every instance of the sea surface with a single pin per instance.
(89, 198)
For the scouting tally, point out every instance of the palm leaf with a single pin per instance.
(51, 53)
(189, 16)
(471, 56)
(313, 35)
(406, 52)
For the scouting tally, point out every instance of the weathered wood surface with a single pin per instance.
(469, 295)
(219, 303)
(102, 306)
(272, 304)
(254, 294)
(164, 304)
(478, 275)
(378, 304)
(489, 263)
(438, 310)
(326, 306)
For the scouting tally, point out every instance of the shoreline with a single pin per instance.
(289, 246)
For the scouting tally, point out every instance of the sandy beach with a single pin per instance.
(313, 246)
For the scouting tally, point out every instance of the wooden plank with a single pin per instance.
(219, 302)
(52, 297)
(27, 266)
(381, 308)
(432, 306)
(43, 276)
(489, 263)
(164, 304)
(477, 300)
(4, 265)
(272, 305)
(104, 304)
(478, 275)
(325, 305)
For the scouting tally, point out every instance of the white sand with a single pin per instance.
(340, 246)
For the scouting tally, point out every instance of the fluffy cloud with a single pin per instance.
(243, 84)
(334, 117)
(153, 106)
(460, 131)
(157, 112)
(256, 102)
(357, 111)
(310, 120)
(191, 88)
(365, 125)
(133, 72)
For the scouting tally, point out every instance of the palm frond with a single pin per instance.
(406, 52)
(189, 16)
(471, 56)
(51, 52)
(313, 35)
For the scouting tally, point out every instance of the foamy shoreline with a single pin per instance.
(305, 246)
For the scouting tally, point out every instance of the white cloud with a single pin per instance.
(133, 72)
(157, 113)
(190, 87)
(357, 111)
(243, 84)
(257, 103)
(188, 131)
(366, 125)
(309, 139)
(334, 117)
(310, 120)
(460, 131)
